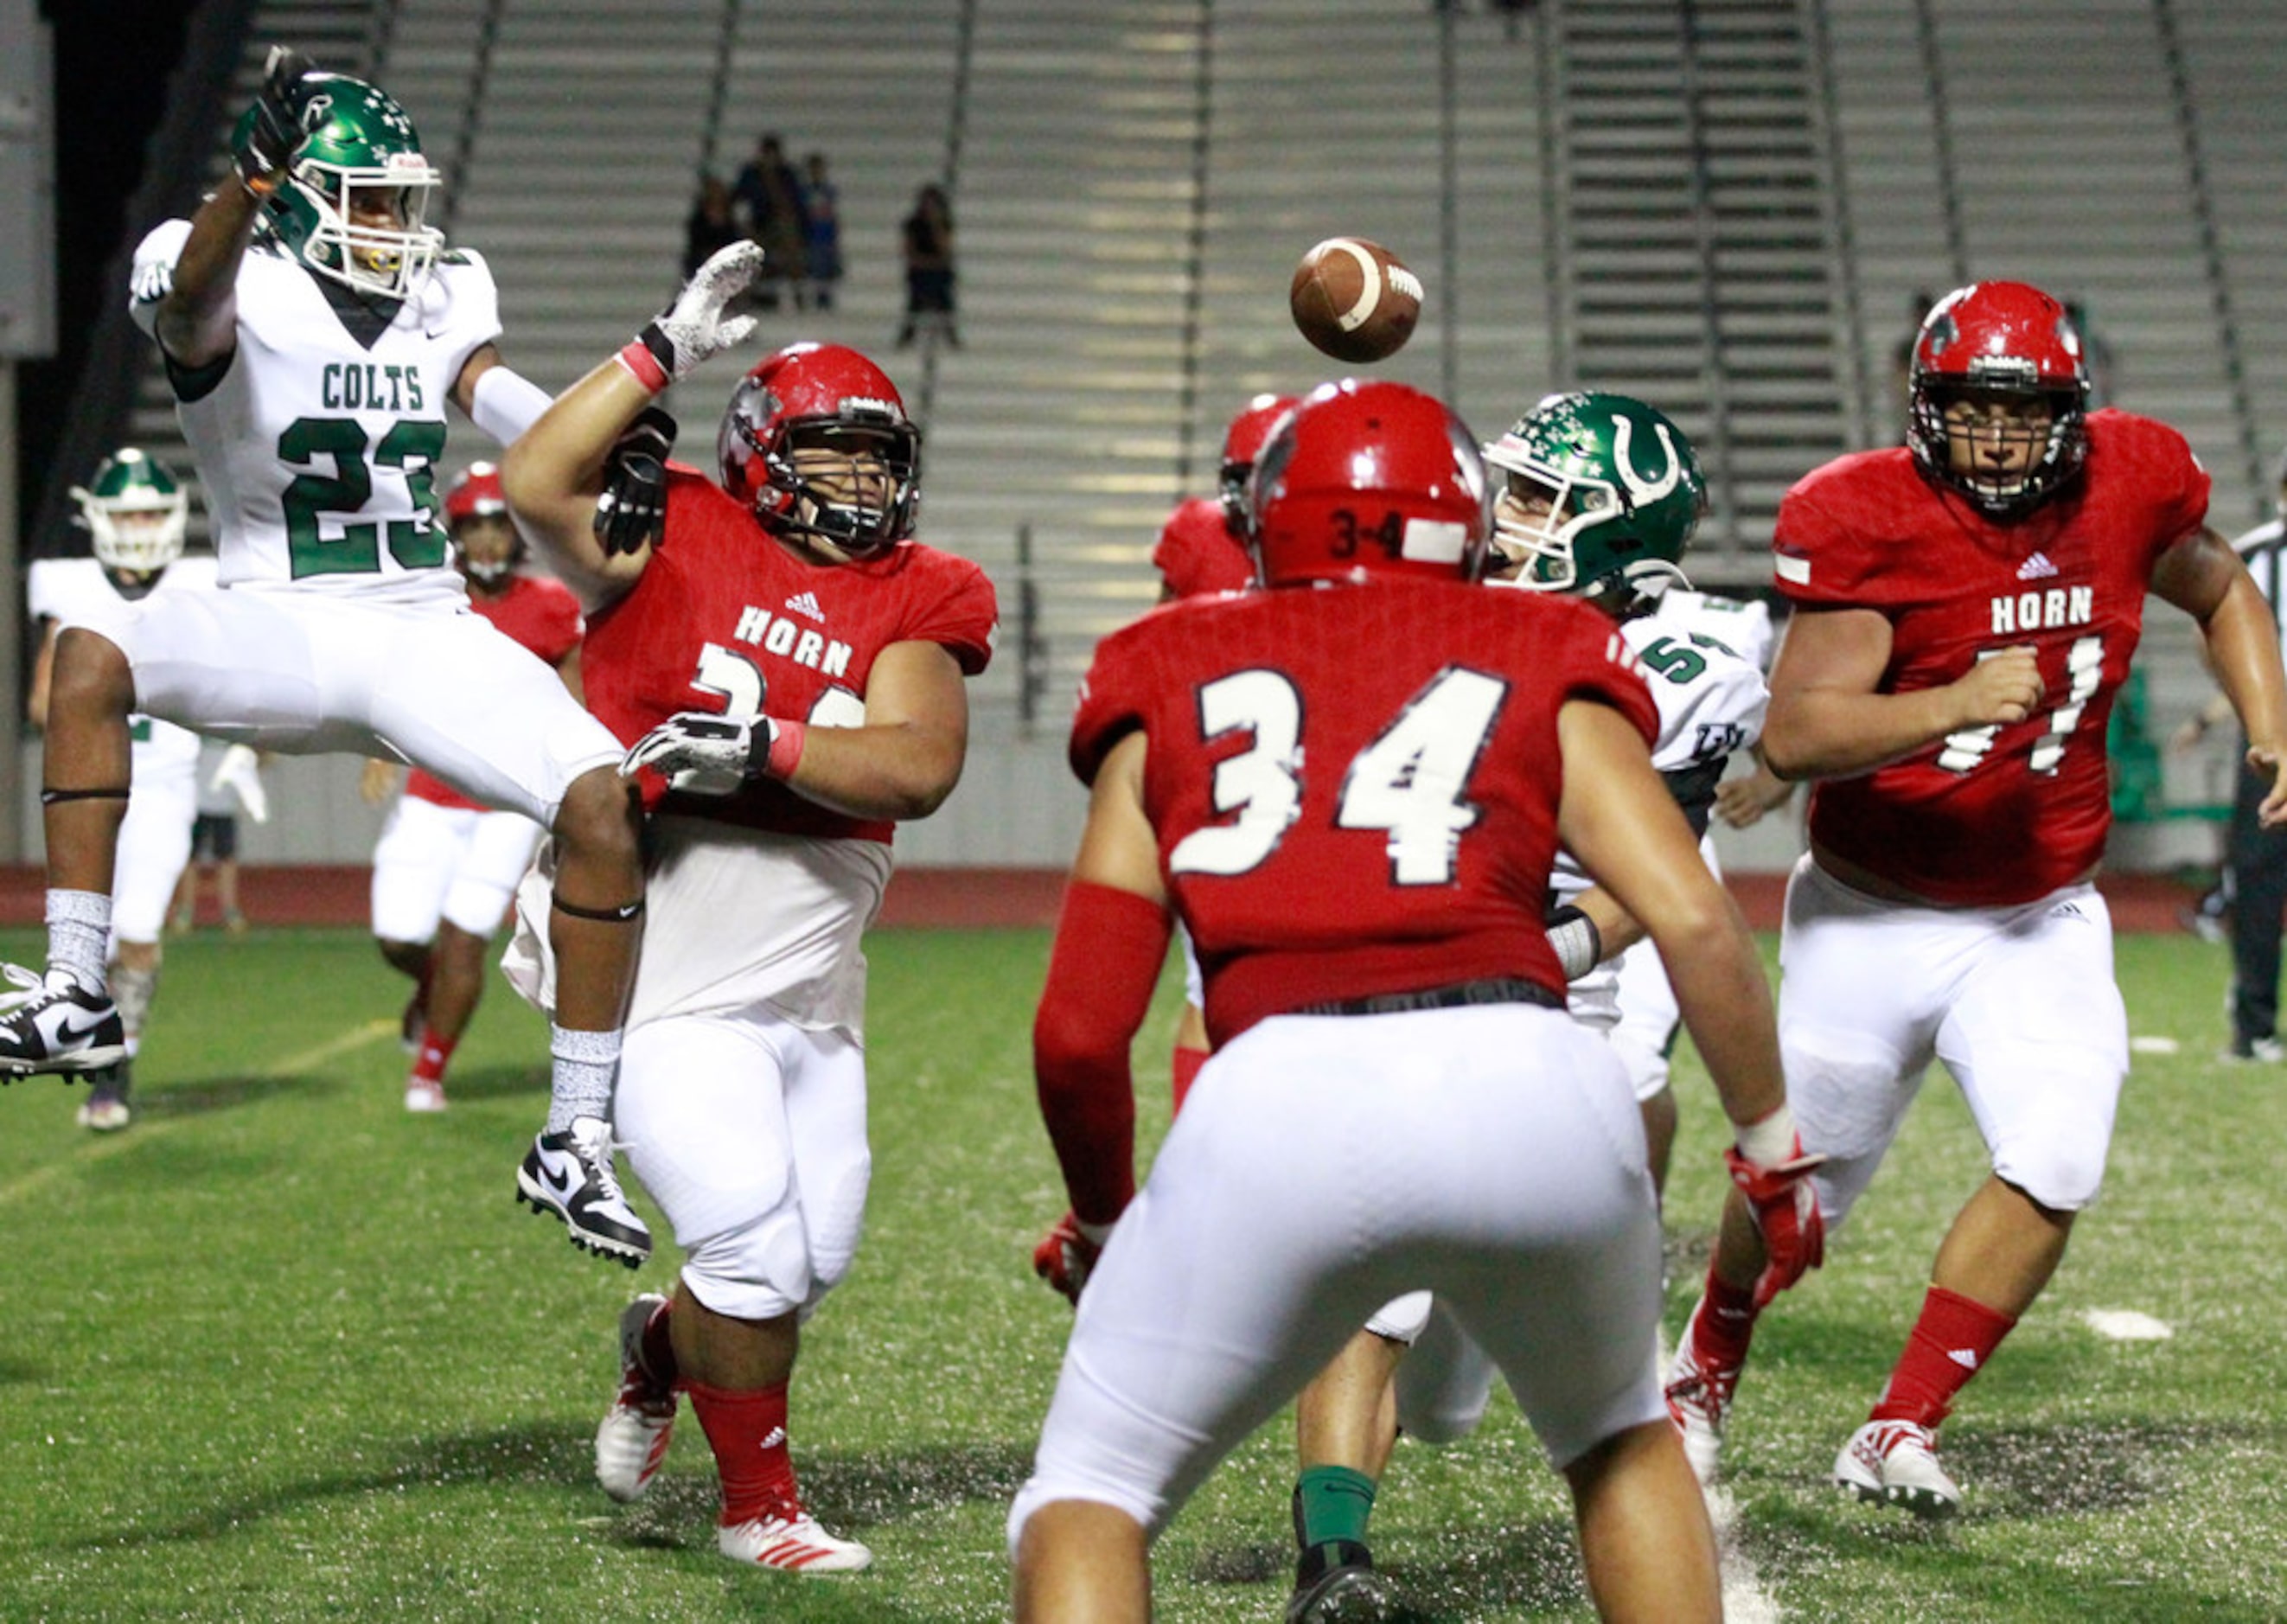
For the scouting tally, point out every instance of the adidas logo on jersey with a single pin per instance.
(806, 603)
(2036, 568)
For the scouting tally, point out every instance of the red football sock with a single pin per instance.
(1950, 1343)
(1188, 1062)
(1724, 1325)
(747, 1431)
(435, 1052)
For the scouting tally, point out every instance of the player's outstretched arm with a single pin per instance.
(1828, 718)
(197, 321)
(2205, 578)
(1111, 939)
(1618, 819)
(554, 472)
(551, 475)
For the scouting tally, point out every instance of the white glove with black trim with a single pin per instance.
(694, 327)
(700, 754)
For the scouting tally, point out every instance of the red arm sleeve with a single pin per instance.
(1101, 973)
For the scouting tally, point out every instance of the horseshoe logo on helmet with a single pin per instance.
(1641, 490)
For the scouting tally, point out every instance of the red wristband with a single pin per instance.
(786, 739)
(643, 366)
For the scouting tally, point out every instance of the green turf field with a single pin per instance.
(280, 1352)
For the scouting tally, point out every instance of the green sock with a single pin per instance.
(1332, 1503)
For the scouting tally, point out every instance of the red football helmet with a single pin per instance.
(828, 397)
(1998, 340)
(476, 492)
(1367, 478)
(1242, 442)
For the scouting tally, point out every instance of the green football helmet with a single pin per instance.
(361, 163)
(1602, 494)
(136, 510)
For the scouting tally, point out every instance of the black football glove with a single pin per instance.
(631, 510)
(273, 136)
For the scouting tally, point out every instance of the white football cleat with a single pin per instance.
(569, 1175)
(423, 1095)
(1700, 1402)
(636, 1432)
(795, 1543)
(56, 1023)
(1894, 1463)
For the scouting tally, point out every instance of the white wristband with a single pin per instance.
(1769, 1142)
(505, 403)
(1578, 944)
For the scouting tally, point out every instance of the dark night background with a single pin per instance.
(112, 62)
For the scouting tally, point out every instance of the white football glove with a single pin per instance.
(704, 755)
(694, 328)
(240, 771)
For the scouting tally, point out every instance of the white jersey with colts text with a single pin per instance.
(319, 450)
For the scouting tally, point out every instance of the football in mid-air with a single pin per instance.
(1354, 299)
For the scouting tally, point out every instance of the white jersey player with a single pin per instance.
(137, 513)
(1705, 657)
(313, 329)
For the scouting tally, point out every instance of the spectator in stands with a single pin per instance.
(712, 224)
(769, 194)
(1512, 13)
(926, 241)
(821, 236)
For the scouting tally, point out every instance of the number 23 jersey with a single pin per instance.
(1354, 788)
(318, 452)
(1999, 815)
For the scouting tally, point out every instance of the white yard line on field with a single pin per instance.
(1744, 1599)
(95, 1146)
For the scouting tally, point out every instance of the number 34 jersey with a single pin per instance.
(1354, 788)
(1999, 815)
(318, 452)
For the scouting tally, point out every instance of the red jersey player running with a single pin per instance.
(445, 866)
(1965, 607)
(787, 663)
(1352, 787)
